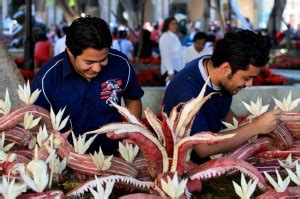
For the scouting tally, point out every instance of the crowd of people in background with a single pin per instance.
(174, 46)
(49, 43)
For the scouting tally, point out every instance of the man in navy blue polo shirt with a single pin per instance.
(236, 60)
(85, 77)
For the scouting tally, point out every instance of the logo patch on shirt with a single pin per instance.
(110, 90)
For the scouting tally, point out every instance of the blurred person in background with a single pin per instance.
(60, 45)
(197, 49)
(43, 50)
(171, 51)
(122, 43)
(148, 45)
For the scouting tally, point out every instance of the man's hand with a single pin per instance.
(267, 122)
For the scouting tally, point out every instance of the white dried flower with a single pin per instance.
(80, 146)
(287, 104)
(295, 177)
(101, 192)
(29, 122)
(57, 124)
(25, 94)
(100, 161)
(2, 142)
(128, 152)
(42, 135)
(10, 190)
(229, 126)
(256, 109)
(5, 105)
(280, 185)
(246, 189)
(288, 163)
(173, 188)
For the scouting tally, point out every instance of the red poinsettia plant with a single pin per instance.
(285, 62)
(150, 77)
(267, 77)
(27, 74)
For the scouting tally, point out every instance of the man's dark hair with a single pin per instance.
(166, 23)
(88, 32)
(240, 49)
(199, 35)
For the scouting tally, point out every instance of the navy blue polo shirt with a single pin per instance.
(186, 85)
(87, 101)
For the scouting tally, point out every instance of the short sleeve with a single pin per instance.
(133, 89)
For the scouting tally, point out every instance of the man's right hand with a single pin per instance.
(267, 122)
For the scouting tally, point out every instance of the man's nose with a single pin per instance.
(96, 67)
(249, 82)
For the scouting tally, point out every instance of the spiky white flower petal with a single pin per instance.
(5, 105)
(2, 142)
(10, 190)
(80, 146)
(42, 135)
(256, 109)
(280, 185)
(36, 173)
(229, 126)
(4, 157)
(287, 104)
(172, 188)
(100, 161)
(288, 163)
(25, 94)
(246, 189)
(58, 166)
(57, 124)
(101, 192)
(128, 152)
(29, 122)
(295, 177)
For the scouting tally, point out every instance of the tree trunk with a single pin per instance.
(133, 8)
(274, 23)
(28, 44)
(220, 15)
(10, 76)
(93, 8)
(236, 10)
(1, 24)
(40, 9)
(141, 40)
(71, 13)
(206, 15)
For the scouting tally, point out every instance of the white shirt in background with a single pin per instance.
(171, 53)
(60, 46)
(190, 53)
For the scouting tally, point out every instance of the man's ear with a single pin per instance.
(70, 55)
(69, 52)
(226, 69)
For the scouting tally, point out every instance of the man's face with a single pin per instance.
(199, 44)
(240, 80)
(90, 62)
